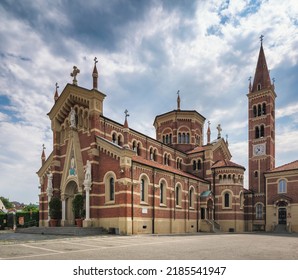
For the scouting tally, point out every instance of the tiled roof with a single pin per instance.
(226, 163)
(288, 166)
(196, 150)
(155, 164)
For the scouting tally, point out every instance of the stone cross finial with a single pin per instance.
(219, 129)
(74, 74)
(178, 100)
(126, 114)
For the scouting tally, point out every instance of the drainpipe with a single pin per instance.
(153, 210)
(214, 193)
(132, 213)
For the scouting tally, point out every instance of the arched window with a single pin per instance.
(112, 188)
(257, 132)
(170, 139)
(139, 149)
(259, 211)
(259, 110)
(178, 195)
(151, 153)
(262, 131)
(183, 138)
(114, 138)
(264, 109)
(134, 146)
(199, 164)
(259, 87)
(227, 200)
(282, 186)
(165, 159)
(194, 165)
(119, 140)
(187, 138)
(161, 186)
(191, 197)
(109, 180)
(255, 111)
(142, 190)
(256, 174)
(154, 155)
(179, 138)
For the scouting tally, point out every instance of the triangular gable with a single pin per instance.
(73, 169)
(220, 150)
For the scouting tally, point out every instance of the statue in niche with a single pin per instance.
(72, 169)
(88, 171)
(50, 183)
(73, 118)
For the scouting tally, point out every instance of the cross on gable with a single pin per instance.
(74, 74)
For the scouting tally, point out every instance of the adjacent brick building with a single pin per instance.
(175, 183)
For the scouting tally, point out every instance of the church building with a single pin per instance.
(132, 183)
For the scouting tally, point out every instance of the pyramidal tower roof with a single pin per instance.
(262, 77)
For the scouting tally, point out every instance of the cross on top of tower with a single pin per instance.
(178, 100)
(43, 147)
(261, 38)
(74, 74)
(95, 60)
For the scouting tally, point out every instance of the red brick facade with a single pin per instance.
(174, 183)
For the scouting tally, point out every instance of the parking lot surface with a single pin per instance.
(18, 246)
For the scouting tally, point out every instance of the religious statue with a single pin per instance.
(88, 171)
(72, 169)
(73, 118)
(219, 131)
(50, 183)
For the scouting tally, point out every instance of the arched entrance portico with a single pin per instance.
(67, 214)
(209, 213)
(282, 212)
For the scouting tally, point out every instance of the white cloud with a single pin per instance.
(208, 56)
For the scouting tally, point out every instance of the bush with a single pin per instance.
(55, 206)
(3, 220)
(78, 206)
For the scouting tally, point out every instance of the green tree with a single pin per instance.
(30, 207)
(6, 202)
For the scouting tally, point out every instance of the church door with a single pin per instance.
(70, 191)
(282, 216)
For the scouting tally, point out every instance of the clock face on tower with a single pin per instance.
(259, 150)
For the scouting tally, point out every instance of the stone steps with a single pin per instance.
(281, 229)
(74, 231)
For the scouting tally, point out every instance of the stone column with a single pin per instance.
(87, 221)
(63, 211)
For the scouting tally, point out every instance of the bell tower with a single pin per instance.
(261, 127)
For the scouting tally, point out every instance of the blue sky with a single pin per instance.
(147, 50)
